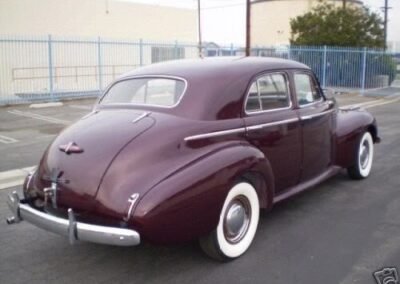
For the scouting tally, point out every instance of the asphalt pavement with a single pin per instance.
(338, 232)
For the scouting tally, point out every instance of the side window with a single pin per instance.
(268, 92)
(306, 89)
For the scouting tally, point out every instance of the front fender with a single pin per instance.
(351, 124)
(187, 204)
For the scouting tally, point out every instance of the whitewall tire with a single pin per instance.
(363, 158)
(237, 224)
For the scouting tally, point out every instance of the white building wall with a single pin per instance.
(105, 18)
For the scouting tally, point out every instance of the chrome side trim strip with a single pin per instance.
(140, 117)
(305, 117)
(238, 130)
(70, 227)
(215, 134)
(260, 126)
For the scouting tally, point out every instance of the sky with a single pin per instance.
(223, 21)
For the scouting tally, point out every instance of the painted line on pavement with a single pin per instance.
(364, 103)
(393, 95)
(7, 140)
(383, 103)
(45, 105)
(372, 104)
(40, 117)
(13, 177)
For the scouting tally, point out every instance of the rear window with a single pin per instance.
(164, 92)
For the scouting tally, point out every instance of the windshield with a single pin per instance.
(146, 91)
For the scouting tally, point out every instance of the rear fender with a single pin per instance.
(187, 204)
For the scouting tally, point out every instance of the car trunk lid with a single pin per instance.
(76, 161)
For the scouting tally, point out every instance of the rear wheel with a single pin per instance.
(237, 225)
(363, 158)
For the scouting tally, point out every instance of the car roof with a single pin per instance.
(217, 66)
(216, 86)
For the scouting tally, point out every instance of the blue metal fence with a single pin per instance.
(51, 68)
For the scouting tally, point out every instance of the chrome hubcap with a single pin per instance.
(237, 219)
(364, 154)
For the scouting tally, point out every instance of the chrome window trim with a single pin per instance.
(310, 116)
(214, 134)
(258, 95)
(269, 124)
(297, 99)
(269, 110)
(177, 78)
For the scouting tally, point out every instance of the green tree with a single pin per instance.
(326, 24)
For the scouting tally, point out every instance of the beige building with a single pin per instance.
(105, 18)
(92, 42)
(271, 19)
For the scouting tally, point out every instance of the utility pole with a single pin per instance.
(385, 21)
(248, 28)
(199, 23)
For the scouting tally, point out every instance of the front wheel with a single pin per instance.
(237, 224)
(363, 158)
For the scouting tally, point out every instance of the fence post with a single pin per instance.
(176, 50)
(324, 69)
(231, 49)
(50, 62)
(141, 51)
(290, 52)
(99, 64)
(364, 68)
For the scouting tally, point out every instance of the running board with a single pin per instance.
(307, 184)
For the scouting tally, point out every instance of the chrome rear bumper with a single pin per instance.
(69, 227)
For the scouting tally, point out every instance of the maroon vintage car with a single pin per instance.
(193, 149)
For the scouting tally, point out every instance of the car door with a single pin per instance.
(316, 115)
(273, 126)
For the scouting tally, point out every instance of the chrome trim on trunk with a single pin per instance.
(70, 227)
